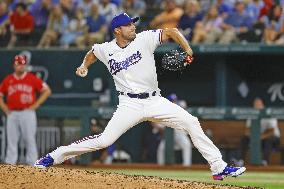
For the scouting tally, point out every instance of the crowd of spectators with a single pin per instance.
(80, 23)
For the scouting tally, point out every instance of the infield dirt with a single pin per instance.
(14, 177)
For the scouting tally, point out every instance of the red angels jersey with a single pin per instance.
(21, 92)
(133, 67)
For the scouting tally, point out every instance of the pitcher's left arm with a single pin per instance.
(175, 35)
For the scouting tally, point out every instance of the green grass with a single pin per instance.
(270, 180)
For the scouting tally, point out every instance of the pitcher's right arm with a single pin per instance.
(89, 59)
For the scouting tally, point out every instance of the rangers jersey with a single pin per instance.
(132, 67)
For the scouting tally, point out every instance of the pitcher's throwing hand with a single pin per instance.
(82, 71)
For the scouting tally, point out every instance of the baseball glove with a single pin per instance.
(176, 60)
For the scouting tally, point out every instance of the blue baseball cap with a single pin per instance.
(122, 20)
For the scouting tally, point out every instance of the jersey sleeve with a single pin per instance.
(153, 38)
(99, 52)
(4, 87)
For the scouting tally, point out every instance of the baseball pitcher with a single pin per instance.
(130, 60)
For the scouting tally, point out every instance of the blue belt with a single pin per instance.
(139, 95)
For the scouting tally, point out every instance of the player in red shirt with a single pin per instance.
(20, 91)
(22, 24)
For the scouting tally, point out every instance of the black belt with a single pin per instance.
(139, 95)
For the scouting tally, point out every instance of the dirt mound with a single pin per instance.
(33, 178)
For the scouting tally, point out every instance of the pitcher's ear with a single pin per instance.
(117, 30)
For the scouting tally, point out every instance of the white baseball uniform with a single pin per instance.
(133, 70)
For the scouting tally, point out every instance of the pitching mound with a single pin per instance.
(61, 178)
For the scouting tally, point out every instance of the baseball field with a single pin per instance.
(102, 178)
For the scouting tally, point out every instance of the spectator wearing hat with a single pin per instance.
(20, 89)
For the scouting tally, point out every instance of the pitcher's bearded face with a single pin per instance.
(128, 31)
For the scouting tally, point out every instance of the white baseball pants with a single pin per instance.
(132, 111)
(21, 124)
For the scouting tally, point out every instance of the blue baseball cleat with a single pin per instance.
(229, 171)
(44, 162)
